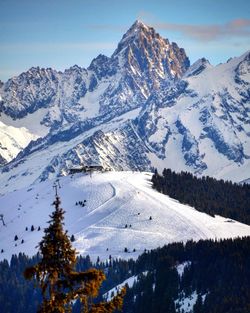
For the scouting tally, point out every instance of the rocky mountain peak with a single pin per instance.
(137, 28)
(138, 34)
(101, 66)
(75, 68)
(243, 71)
(133, 110)
(143, 50)
(198, 67)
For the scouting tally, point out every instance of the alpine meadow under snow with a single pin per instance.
(107, 213)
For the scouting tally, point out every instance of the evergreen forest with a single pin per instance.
(217, 272)
(206, 194)
(198, 277)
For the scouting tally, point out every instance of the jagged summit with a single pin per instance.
(142, 107)
(147, 52)
(75, 67)
(198, 67)
(139, 23)
(138, 26)
(137, 33)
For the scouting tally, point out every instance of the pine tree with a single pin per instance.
(56, 277)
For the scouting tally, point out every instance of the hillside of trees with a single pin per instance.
(207, 276)
(15, 289)
(206, 194)
(218, 272)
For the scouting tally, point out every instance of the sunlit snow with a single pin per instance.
(116, 215)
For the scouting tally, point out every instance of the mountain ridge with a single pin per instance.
(186, 118)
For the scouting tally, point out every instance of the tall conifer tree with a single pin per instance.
(55, 274)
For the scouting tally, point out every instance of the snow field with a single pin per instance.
(13, 140)
(116, 215)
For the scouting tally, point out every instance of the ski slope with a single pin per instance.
(113, 200)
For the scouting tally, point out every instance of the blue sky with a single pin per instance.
(61, 33)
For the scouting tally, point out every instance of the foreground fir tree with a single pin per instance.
(55, 275)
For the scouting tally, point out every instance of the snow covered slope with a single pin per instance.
(202, 123)
(12, 141)
(198, 124)
(116, 216)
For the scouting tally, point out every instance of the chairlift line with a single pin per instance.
(57, 185)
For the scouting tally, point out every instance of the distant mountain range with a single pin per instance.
(141, 108)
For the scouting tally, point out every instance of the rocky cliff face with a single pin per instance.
(143, 107)
(140, 63)
(206, 114)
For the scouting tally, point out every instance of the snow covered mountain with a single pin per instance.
(141, 108)
(12, 141)
(120, 211)
(203, 120)
(108, 88)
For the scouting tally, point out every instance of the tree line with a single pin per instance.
(206, 194)
(218, 272)
(215, 272)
